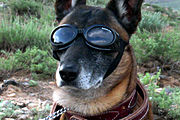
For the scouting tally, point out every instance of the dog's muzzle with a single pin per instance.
(69, 71)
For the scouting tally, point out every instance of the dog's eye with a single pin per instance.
(63, 35)
(100, 36)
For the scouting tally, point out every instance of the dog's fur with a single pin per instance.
(89, 93)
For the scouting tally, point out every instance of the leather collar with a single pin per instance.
(123, 111)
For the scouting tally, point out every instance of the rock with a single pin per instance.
(32, 94)
(25, 83)
(52, 83)
(23, 117)
(25, 109)
(158, 90)
(12, 95)
(26, 79)
(21, 105)
(32, 105)
(5, 103)
(9, 119)
(19, 111)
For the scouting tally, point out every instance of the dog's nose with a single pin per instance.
(69, 72)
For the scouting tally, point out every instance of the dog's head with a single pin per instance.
(82, 67)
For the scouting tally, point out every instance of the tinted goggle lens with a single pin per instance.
(100, 36)
(63, 35)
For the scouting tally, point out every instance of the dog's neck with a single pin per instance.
(125, 73)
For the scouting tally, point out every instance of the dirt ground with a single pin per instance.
(28, 97)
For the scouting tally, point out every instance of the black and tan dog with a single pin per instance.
(94, 82)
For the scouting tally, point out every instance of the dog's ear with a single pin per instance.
(63, 7)
(128, 13)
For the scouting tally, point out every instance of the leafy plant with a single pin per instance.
(152, 21)
(7, 109)
(33, 83)
(35, 60)
(156, 46)
(165, 99)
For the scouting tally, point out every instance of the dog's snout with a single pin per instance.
(69, 72)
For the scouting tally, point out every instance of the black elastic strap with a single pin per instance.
(55, 56)
(116, 61)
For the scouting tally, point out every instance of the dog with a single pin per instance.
(96, 75)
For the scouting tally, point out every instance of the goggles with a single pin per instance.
(99, 37)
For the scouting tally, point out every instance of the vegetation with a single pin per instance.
(8, 109)
(164, 99)
(34, 60)
(162, 46)
(152, 22)
(18, 34)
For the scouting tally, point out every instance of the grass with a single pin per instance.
(17, 34)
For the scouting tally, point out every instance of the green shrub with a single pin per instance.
(35, 60)
(10, 110)
(19, 34)
(8, 65)
(152, 21)
(166, 99)
(7, 109)
(33, 83)
(156, 46)
(22, 7)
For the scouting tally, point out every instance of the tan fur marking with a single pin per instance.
(111, 99)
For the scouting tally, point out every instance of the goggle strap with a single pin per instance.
(116, 61)
(55, 56)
